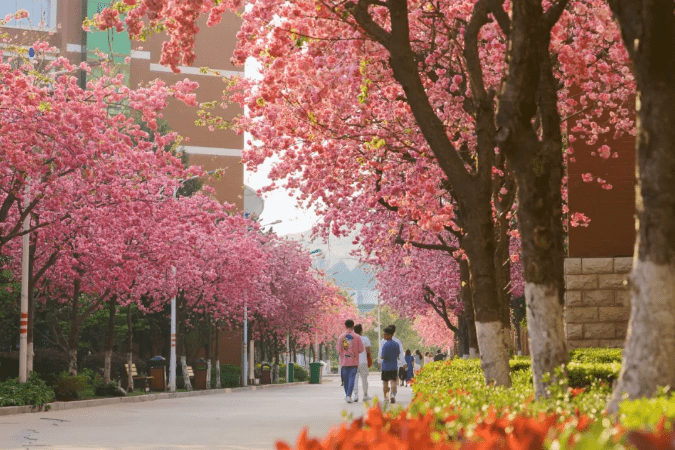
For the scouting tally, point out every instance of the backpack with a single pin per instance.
(348, 346)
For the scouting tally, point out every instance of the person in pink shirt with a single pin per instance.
(349, 346)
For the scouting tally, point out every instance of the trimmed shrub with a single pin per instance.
(68, 387)
(33, 392)
(596, 355)
(300, 373)
(229, 375)
(111, 389)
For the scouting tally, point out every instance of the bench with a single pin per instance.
(135, 376)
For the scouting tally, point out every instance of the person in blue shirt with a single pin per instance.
(390, 353)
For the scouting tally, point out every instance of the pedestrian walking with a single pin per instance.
(419, 361)
(349, 345)
(401, 361)
(365, 361)
(428, 358)
(389, 354)
(439, 356)
(410, 362)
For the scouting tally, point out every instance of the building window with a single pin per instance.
(41, 13)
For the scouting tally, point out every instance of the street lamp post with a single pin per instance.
(172, 358)
(23, 330)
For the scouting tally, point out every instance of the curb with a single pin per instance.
(77, 404)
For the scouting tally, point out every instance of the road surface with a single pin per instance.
(242, 420)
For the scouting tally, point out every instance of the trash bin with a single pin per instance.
(200, 374)
(315, 373)
(157, 366)
(290, 373)
(266, 375)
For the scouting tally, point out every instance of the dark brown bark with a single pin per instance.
(110, 339)
(472, 191)
(648, 32)
(467, 300)
(503, 206)
(535, 155)
(74, 338)
(130, 350)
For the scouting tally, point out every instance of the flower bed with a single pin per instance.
(453, 409)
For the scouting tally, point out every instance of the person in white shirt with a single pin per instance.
(365, 361)
(401, 356)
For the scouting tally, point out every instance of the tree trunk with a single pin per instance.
(207, 352)
(186, 376)
(275, 366)
(489, 327)
(463, 336)
(467, 300)
(648, 31)
(217, 356)
(503, 277)
(535, 157)
(130, 351)
(74, 338)
(180, 340)
(110, 340)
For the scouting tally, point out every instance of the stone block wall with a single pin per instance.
(597, 301)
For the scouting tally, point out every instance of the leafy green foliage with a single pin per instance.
(300, 373)
(596, 355)
(33, 392)
(102, 389)
(68, 387)
(229, 375)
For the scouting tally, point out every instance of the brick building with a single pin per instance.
(600, 256)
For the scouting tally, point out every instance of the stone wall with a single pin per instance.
(597, 301)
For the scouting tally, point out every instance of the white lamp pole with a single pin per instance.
(172, 359)
(244, 350)
(288, 354)
(23, 330)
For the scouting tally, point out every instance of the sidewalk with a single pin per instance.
(241, 420)
(76, 404)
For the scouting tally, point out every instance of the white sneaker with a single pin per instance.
(366, 398)
(348, 399)
(356, 398)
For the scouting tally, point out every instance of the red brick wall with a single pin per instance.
(611, 231)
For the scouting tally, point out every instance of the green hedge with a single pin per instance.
(586, 366)
(229, 375)
(596, 355)
(33, 392)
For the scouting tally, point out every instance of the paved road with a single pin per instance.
(245, 420)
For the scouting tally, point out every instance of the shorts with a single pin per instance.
(388, 375)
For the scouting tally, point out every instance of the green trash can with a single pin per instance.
(315, 373)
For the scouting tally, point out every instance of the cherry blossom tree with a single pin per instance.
(419, 81)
